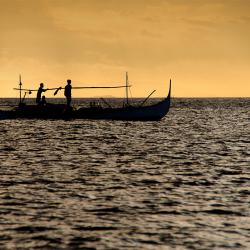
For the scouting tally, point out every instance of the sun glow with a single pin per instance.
(202, 45)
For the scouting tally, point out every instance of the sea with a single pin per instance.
(179, 183)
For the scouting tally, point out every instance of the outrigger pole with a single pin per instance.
(94, 87)
(147, 98)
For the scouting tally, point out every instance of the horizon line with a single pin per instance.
(113, 97)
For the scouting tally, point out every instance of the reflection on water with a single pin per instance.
(181, 182)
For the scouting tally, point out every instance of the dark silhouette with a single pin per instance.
(140, 112)
(39, 93)
(43, 102)
(67, 92)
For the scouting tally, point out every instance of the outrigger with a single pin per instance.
(61, 111)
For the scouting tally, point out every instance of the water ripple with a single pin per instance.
(182, 182)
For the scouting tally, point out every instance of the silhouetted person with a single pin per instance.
(67, 92)
(39, 93)
(43, 102)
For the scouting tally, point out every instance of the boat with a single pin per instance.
(60, 111)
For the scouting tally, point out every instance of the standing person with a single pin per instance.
(39, 93)
(67, 92)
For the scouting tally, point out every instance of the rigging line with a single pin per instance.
(130, 93)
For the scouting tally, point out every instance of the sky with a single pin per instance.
(202, 45)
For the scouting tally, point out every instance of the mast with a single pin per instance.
(127, 87)
(20, 89)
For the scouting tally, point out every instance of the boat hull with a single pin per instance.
(154, 112)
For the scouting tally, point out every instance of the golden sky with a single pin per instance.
(203, 45)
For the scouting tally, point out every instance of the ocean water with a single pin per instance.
(179, 183)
